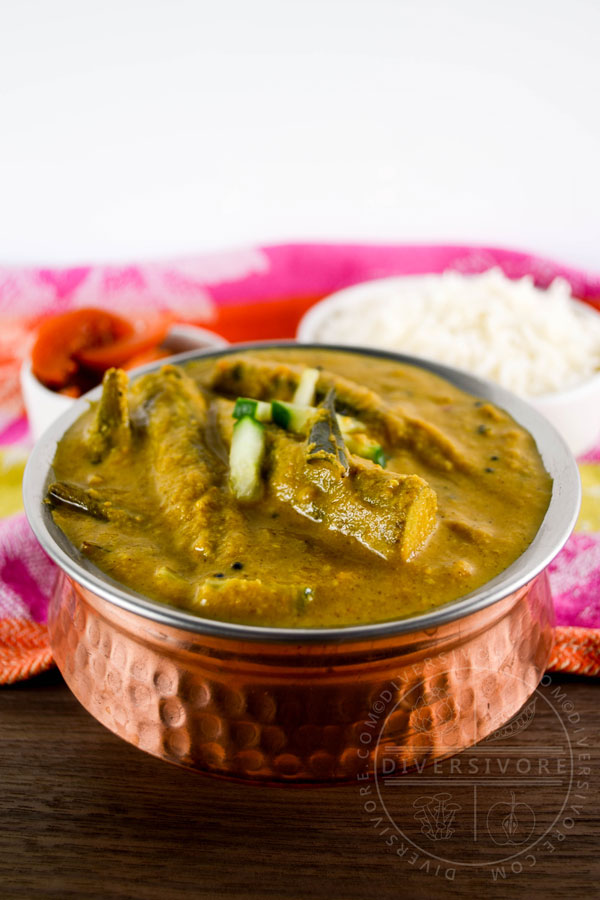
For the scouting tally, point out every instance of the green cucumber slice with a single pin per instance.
(305, 392)
(364, 446)
(245, 458)
(348, 425)
(256, 409)
(379, 456)
(292, 417)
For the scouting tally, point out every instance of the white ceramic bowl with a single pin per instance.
(45, 406)
(574, 412)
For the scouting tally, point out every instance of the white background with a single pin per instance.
(147, 128)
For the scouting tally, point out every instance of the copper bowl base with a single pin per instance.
(312, 713)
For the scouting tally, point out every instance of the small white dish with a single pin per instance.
(44, 406)
(574, 412)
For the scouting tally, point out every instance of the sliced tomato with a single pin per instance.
(145, 335)
(54, 358)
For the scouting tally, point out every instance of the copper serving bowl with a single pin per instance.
(306, 705)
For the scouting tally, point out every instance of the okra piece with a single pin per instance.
(250, 600)
(110, 428)
(64, 495)
(390, 514)
(185, 474)
(325, 441)
(70, 496)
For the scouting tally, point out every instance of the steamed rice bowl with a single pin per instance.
(531, 341)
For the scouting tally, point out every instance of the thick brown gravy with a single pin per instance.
(164, 521)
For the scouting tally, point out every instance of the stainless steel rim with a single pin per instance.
(555, 529)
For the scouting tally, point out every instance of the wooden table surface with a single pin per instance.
(85, 815)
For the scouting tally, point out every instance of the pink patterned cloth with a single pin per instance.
(27, 575)
(217, 290)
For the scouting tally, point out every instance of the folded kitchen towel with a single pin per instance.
(246, 294)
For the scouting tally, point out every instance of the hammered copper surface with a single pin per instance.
(274, 712)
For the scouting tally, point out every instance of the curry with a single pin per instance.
(297, 487)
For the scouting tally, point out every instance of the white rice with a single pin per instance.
(529, 340)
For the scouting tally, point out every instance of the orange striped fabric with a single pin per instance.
(576, 650)
(24, 649)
